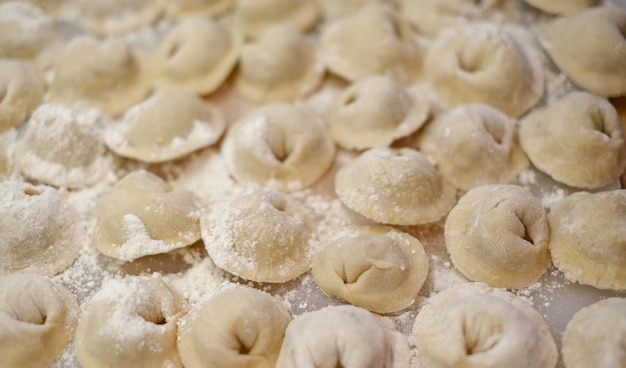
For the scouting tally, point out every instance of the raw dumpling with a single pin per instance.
(170, 124)
(481, 62)
(472, 325)
(238, 327)
(115, 17)
(473, 145)
(399, 187)
(21, 91)
(39, 231)
(280, 145)
(562, 6)
(377, 268)
(376, 111)
(259, 235)
(333, 9)
(37, 320)
(142, 215)
(184, 8)
(498, 234)
(130, 323)
(254, 17)
(7, 142)
(577, 141)
(588, 238)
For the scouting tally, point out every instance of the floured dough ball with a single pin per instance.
(259, 235)
(236, 327)
(588, 238)
(399, 187)
(596, 335)
(7, 144)
(115, 17)
(562, 6)
(130, 323)
(39, 231)
(21, 91)
(472, 325)
(184, 8)
(254, 17)
(473, 145)
(37, 320)
(142, 215)
(279, 145)
(376, 111)
(498, 234)
(333, 9)
(373, 267)
(170, 124)
(577, 141)
(482, 62)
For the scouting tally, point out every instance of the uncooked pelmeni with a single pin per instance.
(399, 187)
(577, 140)
(498, 234)
(237, 327)
(482, 62)
(143, 215)
(21, 91)
(7, 144)
(472, 325)
(130, 323)
(587, 235)
(254, 17)
(169, 124)
(373, 267)
(181, 9)
(37, 320)
(562, 6)
(114, 17)
(472, 145)
(259, 235)
(279, 145)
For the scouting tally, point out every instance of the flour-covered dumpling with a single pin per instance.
(37, 320)
(472, 145)
(399, 187)
(21, 90)
(184, 8)
(562, 6)
(254, 17)
(114, 17)
(143, 215)
(237, 327)
(130, 323)
(577, 141)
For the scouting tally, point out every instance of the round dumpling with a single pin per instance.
(562, 6)
(21, 91)
(115, 17)
(142, 215)
(254, 17)
(259, 235)
(473, 145)
(588, 238)
(280, 145)
(184, 8)
(238, 327)
(481, 62)
(130, 323)
(377, 268)
(37, 320)
(398, 187)
(498, 234)
(577, 141)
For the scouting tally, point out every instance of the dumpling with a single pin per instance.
(115, 17)
(333, 9)
(170, 124)
(21, 91)
(279, 145)
(237, 327)
(472, 325)
(39, 231)
(373, 267)
(498, 234)
(376, 111)
(473, 145)
(577, 141)
(398, 187)
(259, 235)
(7, 143)
(130, 323)
(185, 8)
(254, 17)
(481, 62)
(588, 238)
(142, 215)
(37, 320)
(562, 6)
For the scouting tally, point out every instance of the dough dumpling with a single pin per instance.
(7, 142)
(238, 327)
(398, 187)
(21, 91)
(498, 234)
(183, 8)
(588, 238)
(333, 9)
(115, 17)
(254, 17)
(577, 141)
(377, 268)
(562, 6)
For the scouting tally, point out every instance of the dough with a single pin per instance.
(7, 142)
(21, 91)
(254, 17)
(115, 17)
(588, 238)
(577, 141)
(237, 327)
(562, 6)
(181, 9)
(377, 268)
(498, 234)
(37, 320)
(333, 9)
(398, 187)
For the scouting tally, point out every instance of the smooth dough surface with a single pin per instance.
(21, 90)
(333, 9)
(115, 17)
(7, 144)
(254, 17)
(181, 9)
(562, 7)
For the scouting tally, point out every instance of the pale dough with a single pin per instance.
(7, 142)
(114, 17)
(181, 9)
(254, 17)
(21, 90)
(563, 7)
